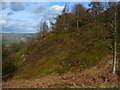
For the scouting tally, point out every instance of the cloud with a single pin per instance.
(26, 24)
(10, 13)
(12, 26)
(14, 6)
(4, 5)
(52, 11)
(40, 8)
(43, 12)
(3, 22)
(18, 6)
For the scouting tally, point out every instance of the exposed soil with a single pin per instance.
(97, 76)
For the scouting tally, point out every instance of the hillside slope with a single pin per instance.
(61, 52)
(97, 76)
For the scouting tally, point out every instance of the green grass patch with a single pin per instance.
(62, 70)
(64, 36)
(20, 57)
(39, 69)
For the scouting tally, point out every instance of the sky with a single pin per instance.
(24, 17)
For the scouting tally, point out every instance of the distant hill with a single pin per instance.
(9, 38)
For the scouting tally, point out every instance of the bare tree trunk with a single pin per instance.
(77, 19)
(115, 44)
(114, 57)
(77, 24)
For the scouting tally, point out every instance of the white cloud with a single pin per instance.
(26, 24)
(41, 12)
(53, 11)
(3, 22)
(12, 26)
(57, 7)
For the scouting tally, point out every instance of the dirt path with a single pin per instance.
(97, 76)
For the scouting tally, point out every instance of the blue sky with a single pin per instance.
(24, 17)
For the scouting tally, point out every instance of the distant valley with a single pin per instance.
(9, 38)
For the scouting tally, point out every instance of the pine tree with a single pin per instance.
(79, 12)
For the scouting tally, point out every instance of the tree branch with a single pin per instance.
(109, 44)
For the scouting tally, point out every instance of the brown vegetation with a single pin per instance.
(97, 76)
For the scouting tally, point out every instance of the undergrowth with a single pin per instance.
(61, 52)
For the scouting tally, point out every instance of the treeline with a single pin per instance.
(105, 14)
(80, 16)
(72, 19)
